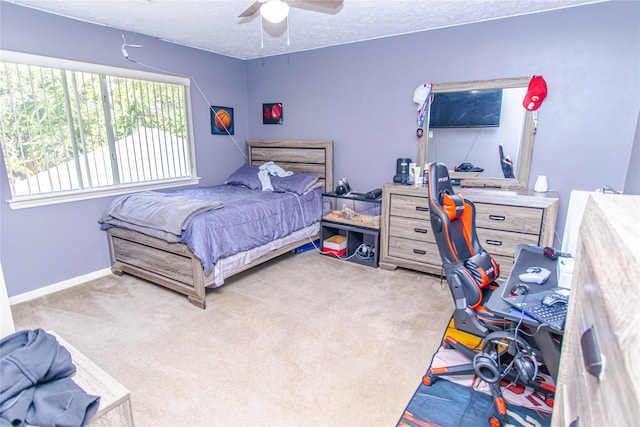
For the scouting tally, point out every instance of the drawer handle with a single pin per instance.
(419, 252)
(422, 209)
(494, 242)
(497, 217)
(421, 230)
(591, 355)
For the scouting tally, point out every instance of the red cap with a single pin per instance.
(536, 93)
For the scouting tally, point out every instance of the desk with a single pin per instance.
(546, 339)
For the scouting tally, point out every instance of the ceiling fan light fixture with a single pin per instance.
(274, 11)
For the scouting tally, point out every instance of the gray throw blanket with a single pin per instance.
(156, 214)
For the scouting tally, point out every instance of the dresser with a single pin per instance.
(599, 377)
(504, 219)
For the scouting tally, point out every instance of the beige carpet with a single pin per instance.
(304, 340)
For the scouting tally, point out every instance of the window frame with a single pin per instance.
(93, 193)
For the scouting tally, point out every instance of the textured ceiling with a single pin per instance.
(213, 25)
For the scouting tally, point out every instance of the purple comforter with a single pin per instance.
(248, 218)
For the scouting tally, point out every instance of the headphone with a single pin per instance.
(343, 187)
(486, 368)
(524, 361)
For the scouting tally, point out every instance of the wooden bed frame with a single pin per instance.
(173, 265)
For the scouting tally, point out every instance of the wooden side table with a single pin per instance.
(115, 405)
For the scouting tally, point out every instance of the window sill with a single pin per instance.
(51, 199)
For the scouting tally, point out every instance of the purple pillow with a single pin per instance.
(297, 183)
(247, 175)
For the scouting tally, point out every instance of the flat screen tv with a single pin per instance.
(478, 108)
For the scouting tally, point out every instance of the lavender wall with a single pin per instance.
(632, 184)
(46, 245)
(360, 95)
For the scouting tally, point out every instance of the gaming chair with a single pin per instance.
(471, 273)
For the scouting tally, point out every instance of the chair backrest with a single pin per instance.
(453, 224)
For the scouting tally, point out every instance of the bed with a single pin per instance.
(173, 265)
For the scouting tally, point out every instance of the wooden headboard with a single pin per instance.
(296, 156)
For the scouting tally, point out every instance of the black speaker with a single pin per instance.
(402, 166)
(402, 171)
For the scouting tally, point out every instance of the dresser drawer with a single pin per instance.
(597, 399)
(503, 242)
(410, 228)
(410, 206)
(587, 388)
(602, 322)
(423, 252)
(509, 218)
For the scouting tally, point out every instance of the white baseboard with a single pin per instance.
(56, 287)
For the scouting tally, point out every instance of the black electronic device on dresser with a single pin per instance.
(402, 171)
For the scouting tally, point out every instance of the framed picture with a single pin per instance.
(272, 114)
(221, 120)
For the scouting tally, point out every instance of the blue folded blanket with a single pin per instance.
(157, 214)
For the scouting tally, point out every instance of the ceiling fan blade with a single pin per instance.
(251, 10)
(322, 6)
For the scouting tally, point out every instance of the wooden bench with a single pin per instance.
(115, 405)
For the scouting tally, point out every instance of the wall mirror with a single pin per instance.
(480, 145)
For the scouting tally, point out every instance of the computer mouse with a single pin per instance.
(554, 299)
(519, 289)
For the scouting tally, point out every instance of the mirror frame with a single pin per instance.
(526, 144)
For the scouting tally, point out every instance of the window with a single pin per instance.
(73, 130)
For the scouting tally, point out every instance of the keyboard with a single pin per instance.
(553, 316)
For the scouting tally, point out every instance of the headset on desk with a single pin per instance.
(526, 343)
(487, 362)
(517, 297)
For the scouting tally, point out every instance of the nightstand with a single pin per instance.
(350, 228)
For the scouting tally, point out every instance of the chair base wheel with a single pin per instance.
(427, 380)
(496, 422)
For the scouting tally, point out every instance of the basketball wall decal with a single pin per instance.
(221, 120)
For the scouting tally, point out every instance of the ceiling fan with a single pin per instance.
(276, 11)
